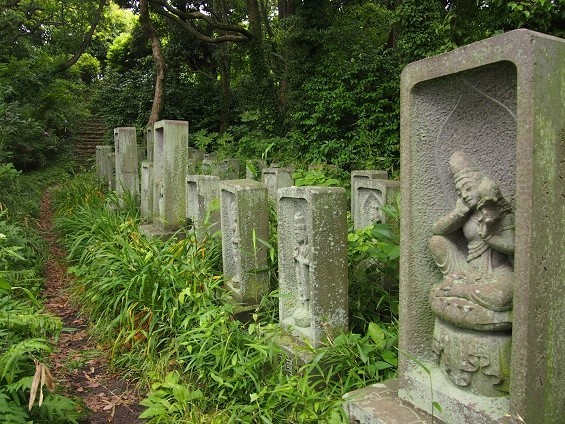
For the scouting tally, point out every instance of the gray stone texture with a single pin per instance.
(149, 143)
(195, 157)
(227, 169)
(102, 168)
(367, 199)
(275, 178)
(312, 229)
(244, 207)
(127, 171)
(253, 169)
(170, 160)
(501, 101)
(111, 175)
(146, 203)
(361, 175)
(203, 204)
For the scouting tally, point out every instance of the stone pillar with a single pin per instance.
(149, 143)
(127, 173)
(102, 169)
(312, 232)
(275, 178)
(111, 163)
(482, 159)
(170, 159)
(253, 169)
(228, 169)
(361, 175)
(244, 209)
(146, 204)
(209, 164)
(202, 204)
(195, 158)
(368, 198)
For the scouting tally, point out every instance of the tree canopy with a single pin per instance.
(315, 80)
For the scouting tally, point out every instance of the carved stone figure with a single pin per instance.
(476, 291)
(373, 205)
(235, 246)
(301, 254)
(477, 286)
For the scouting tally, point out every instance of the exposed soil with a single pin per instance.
(78, 364)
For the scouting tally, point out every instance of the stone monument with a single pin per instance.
(312, 228)
(275, 178)
(146, 203)
(253, 169)
(127, 173)
(362, 175)
(244, 209)
(482, 230)
(367, 199)
(170, 159)
(202, 204)
(102, 168)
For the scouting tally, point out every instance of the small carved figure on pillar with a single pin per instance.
(302, 314)
(235, 245)
(477, 286)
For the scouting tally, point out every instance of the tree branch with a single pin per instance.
(181, 18)
(86, 42)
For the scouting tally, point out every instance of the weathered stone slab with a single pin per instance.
(368, 198)
(203, 204)
(253, 169)
(102, 168)
(379, 404)
(111, 175)
(361, 175)
(227, 169)
(244, 208)
(170, 161)
(195, 157)
(275, 178)
(500, 103)
(127, 174)
(149, 143)
(312, 228)
(209, 164)
(146, 203)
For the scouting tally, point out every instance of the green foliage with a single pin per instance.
(24, 333)
(314, 178)
(374, 254)
(163, 308)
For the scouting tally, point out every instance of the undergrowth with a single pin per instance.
(26, 331)
(161, 307)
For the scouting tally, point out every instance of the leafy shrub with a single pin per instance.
(162, 307)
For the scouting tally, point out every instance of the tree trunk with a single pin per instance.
(157, 50)
(224, 65)
(87, 40)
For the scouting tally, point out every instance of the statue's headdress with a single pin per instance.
(464, 169)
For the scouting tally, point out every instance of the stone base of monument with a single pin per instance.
(153, 231)
(298, 354)
(379, 404)
(457, 404)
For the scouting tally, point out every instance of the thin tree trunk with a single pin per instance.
(224, 68)
(157, 50)
(87, 40)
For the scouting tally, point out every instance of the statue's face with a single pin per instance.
(300, 234)
(468, 192)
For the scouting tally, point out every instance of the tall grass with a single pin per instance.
(162, 308)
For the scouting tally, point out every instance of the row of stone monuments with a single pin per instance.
(312, 223)
(482, 229)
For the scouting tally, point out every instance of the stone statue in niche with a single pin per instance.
(301, 254)
(235, 241)
(477, 286)
(372, 207)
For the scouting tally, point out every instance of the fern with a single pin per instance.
(17, 357)
(10, 413)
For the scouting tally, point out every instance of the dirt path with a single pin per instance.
(78, 363)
